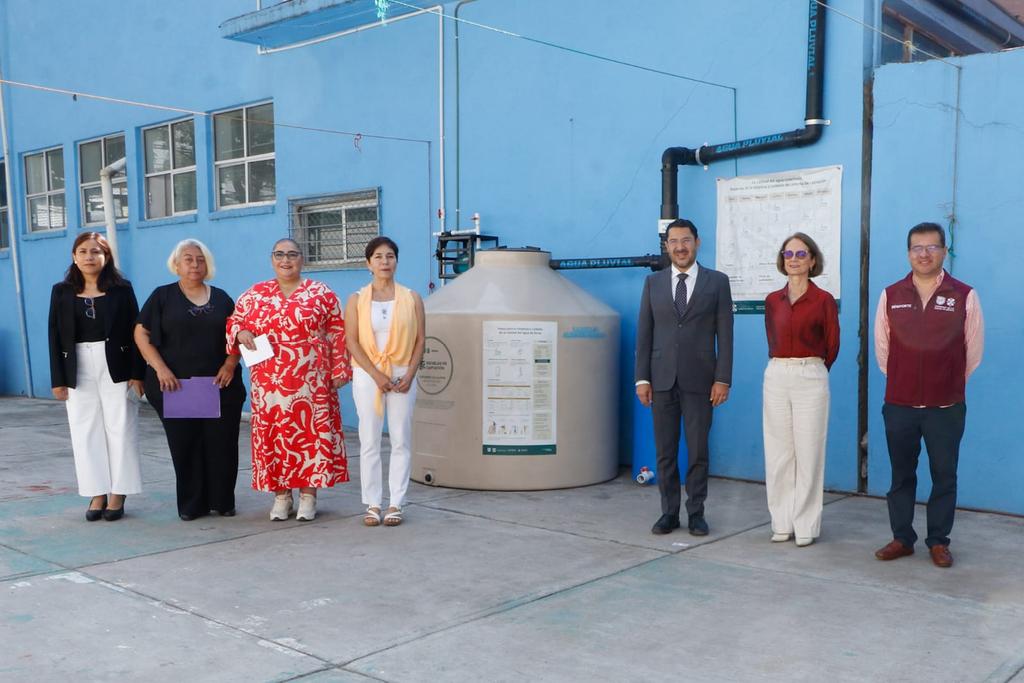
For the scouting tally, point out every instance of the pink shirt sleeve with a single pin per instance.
(974, 332)
(882, 333)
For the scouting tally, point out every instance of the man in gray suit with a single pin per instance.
(683, 368)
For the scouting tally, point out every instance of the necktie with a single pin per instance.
(680, 299)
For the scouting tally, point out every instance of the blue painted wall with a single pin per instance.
(558, 150)
(913, 181)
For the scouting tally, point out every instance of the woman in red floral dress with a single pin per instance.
(296, 422)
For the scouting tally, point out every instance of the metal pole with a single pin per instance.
(13, 234)
(107, 186)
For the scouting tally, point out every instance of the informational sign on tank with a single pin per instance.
(755, 213)
(519, 389)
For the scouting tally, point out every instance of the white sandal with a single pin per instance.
(372, 516)
(393, 517)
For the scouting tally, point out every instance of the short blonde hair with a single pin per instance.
(172, 260)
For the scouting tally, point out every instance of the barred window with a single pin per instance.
(333, 231)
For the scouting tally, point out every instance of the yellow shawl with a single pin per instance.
(401, 334)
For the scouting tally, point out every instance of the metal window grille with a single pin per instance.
(333, 231)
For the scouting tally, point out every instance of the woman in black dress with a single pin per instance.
(180, 333)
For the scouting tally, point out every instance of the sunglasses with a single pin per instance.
(789, 253)
(90, 307)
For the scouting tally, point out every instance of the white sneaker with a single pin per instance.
(283, 505)
(804, 541)
(307, 507)
(780, 538)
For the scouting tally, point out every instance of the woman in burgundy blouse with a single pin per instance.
(802, 323)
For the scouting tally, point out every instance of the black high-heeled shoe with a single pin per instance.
(112, 515)
(92, 515)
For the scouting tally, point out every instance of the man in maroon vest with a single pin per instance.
(929, 336)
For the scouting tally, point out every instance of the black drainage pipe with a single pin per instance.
(814, 123)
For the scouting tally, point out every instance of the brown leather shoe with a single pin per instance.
(894, 550)
(941, 556)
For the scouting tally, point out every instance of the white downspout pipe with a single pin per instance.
(107, 174)
(19, 292)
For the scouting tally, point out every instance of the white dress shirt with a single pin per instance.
(691, 280)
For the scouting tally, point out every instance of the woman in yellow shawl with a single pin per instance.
(386, 331)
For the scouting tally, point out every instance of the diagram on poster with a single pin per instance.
(755, 213)
(519, 387)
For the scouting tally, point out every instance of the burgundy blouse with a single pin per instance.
(806, 329)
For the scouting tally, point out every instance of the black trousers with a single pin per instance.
(694, 409)
(941, 429)
(205, 457)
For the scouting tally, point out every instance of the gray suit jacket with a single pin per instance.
(694, 350)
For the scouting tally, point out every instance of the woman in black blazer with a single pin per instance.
(95, 367)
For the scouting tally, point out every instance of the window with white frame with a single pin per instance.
(333, 231)
(93, 156)
(44, 190)
(4, 229)
(170, 151)
(243, 159)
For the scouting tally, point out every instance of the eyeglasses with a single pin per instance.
(199, 310)
(90, 307)
(282, 255)
(919, 249)
(789, 253)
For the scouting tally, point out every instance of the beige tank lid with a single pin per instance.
(515, 282)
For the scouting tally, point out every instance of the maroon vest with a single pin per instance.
(927, 348)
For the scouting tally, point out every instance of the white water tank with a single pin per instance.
(518, 385)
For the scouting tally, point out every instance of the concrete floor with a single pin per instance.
(549, 586)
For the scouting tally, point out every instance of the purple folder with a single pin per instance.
(197, 397)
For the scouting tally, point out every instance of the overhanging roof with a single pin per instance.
(295, 21)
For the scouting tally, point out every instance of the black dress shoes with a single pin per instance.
(698, 527)
(666, 524)
(185, 517)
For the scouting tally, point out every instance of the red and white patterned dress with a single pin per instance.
(296, 421)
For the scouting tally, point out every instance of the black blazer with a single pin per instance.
(694, 350)
(124, 361)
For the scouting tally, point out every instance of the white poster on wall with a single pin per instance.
(755, 213)
(519, 389)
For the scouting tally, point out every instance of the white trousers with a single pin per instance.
(398, 410)
(103, 420)
(796, 398)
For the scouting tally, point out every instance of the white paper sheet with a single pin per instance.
(263, 351)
